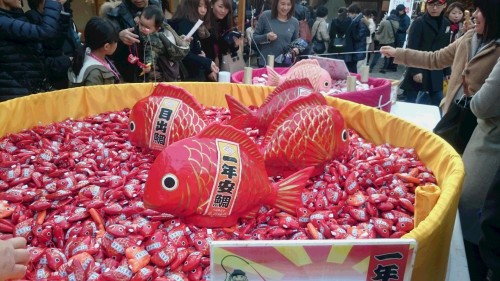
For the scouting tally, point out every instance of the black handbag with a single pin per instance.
(318, 46)
(457, 124)
(339, 42)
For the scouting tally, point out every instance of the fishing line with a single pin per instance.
(344, 53)
(227, 273)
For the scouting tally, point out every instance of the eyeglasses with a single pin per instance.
(436, 5)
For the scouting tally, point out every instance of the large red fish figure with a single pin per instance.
(307, 132)
(217, 177)
(242, 117)
(309, 68)
(169, 114)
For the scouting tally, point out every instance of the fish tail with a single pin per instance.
(241, 116)
(290, 189)
(273, 78)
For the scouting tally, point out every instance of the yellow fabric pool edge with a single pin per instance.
(433, 234)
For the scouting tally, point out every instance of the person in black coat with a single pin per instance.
(404, 23)
(489, 245)
(356, 38)
(56, 62)
(130, 43)
(338, 29)
(430, 32)
(21, 55)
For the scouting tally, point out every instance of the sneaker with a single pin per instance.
(382, 71)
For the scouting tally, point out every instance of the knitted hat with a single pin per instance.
(400, 7)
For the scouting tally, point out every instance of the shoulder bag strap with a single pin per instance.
(393, 32)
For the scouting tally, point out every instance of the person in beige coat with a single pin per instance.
(320, 27)
(474, 58)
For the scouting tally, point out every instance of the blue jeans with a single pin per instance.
(430, 97)
(410, 96)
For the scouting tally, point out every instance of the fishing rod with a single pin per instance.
(343, 53)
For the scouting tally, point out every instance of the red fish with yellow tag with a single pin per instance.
(307, 132)
(217, 177)
(169, 114)
(242, 116)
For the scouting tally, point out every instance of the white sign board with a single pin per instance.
(408, 4)
(318, 260)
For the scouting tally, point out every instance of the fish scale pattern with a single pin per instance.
(310, 124)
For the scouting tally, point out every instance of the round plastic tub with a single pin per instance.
(433, 234)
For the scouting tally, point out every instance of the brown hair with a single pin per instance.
(274, 9)
(454, 5)
(189, 9)
(220, 26)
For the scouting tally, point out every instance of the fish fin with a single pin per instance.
(236, 107)
(232, 134)
(290, 190)
(315, 154)
(252, 213)
(303, 84)
(168, 90)
(305, 62)
(241, 116)
(273, 78)
(289, 109)
(242, 121)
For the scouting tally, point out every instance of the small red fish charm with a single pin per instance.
(307, 132)
(169, 114)
(242, 117)
(217, 177)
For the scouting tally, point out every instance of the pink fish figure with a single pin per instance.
(309, 68)
(306, 133)
(242, 116)
(169, 114)
(6, 209)
(217, 177)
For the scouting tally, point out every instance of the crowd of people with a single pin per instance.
(141, 41)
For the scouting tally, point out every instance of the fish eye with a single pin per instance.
(169, 182)
(344, 135)
(132, 126)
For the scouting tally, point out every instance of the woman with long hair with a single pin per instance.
(276, 29)
(220, 24)
(475, 63)
(196, 66)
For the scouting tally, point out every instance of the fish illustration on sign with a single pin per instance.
(309, 68)
(217, 177)
(169, 114)
(243, 117)
(307, 132)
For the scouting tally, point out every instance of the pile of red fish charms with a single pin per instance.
(74, 190)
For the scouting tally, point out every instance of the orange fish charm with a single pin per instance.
(169, 114)
(307, 132)
(137, 258)
(217, 177)
(242, 117)
(309, 68)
